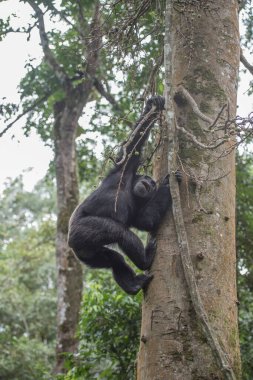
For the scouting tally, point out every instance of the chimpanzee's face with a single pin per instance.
(144, 186)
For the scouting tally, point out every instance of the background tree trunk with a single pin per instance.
(67, 113)
(173, 345)
(69, 271)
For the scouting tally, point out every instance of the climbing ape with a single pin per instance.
(124, 199)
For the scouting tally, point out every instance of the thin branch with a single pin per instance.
(245, 62)
(219, 115)
(101, 89)
(152, 76)
(182, 91)
(81, 21)
(28, 109)
(148, 161)
(95, 42)
(49, 56)
(197, 142)
(64, 17)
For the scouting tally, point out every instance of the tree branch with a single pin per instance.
(94, 43)
(81, 19)
(49, 56)
(28, 109)
(63, 17)
(101, 89)
(183, 92)
(199, 143)
(151, 80)
(245, 62)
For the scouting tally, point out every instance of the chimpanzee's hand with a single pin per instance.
(157, 101)
(166, 180)
(179, 176)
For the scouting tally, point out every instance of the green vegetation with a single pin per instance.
(27, 280)
(245, 262)
(108, 331)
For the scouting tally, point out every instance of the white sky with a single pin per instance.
(19, 153)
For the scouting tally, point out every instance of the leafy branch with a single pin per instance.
(245, 62)
(26, 111)
(48, 54)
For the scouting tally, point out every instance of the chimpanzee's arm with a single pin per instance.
(132, 148)
(150, 216)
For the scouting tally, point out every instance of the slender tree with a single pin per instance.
(67, 112)
(189, 326)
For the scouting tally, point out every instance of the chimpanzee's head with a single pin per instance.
(144, 186)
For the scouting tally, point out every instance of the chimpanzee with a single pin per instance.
(124, 199)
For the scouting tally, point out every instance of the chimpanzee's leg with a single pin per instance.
(134, 249)
(123, 274)
(96, 232)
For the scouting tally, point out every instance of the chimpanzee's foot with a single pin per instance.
(147, 281)
(141, 282)
(179, 176)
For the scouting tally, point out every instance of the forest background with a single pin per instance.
(27, 218)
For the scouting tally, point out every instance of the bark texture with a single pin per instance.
(205, 55)
(69, 271)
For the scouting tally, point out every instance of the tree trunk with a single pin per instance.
(69, 270)
(205, 59)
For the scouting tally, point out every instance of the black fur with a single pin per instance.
(95, 223)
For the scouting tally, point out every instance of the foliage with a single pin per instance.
(108, 331)
(4, 27)
(20, 208)
(247, 11)
(246, 328)
(110, 320)
(27, 280)
(126, 64)
(87, 168)
(245, 263)
(246, 7)
(24, 358)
